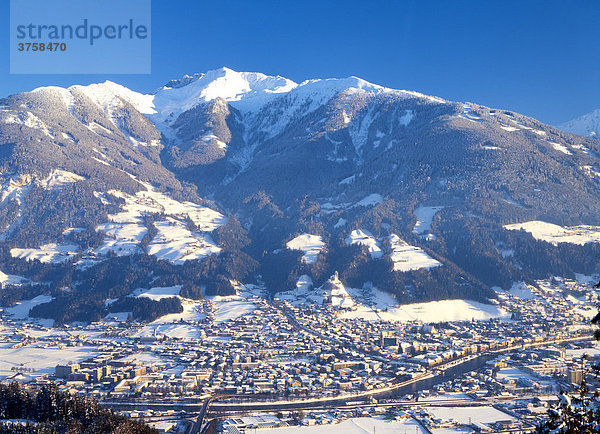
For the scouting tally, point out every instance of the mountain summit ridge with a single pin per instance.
(233, 86)
(240, 88)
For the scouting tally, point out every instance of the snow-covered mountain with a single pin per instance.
(586, 125)
(247, 91)
(228, 177)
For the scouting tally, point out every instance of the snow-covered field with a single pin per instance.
(425, 216)
(447, 310)
(22, 308)
(311, 245)
(433, 311)
(593, 351)
(588, 312)
(561, 148)
(451, 430)
(371, 296)
(557, 234)
(582, 278)
(117, 316)
(365, 238)
(60, 178)
(158, 293)
(172, 330)
(447, 396)
(520, 290)
(123, 238)
(46, 253)
(360, 425)
(41, 360)
(407, 257)
(231, 307)
(304, 283)
(185, 325)
(177, 244)
(175, 241)
(513, 374)
(175, 325)
(334, 290)
(367, 201)
(467, 415)
(303, 293)
(370, 200)
(11, 279)
(404, 256)
(372, 304)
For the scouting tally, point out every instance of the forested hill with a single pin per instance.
(231, 177)
(49, 411)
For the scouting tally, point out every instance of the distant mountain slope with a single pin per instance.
(391, 142)
(233, 176)
(586, 125)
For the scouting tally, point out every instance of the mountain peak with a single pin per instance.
(586, 125)
(248, 90)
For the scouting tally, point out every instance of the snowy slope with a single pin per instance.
(311, 245)
(425, 216)
(108, 96)
(47, 253)
(433, 311)
(407, 257)
(17, 187)
(365, 238)
(158, 293)
(247, 91)
(586, 125)
(372, 304)
(557, 234)
(250, 91)
(174, 241)
(11, 279)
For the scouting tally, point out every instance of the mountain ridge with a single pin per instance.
(222, 172)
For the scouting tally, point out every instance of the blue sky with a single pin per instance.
(540, 58)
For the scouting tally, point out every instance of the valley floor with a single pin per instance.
(360, 366)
